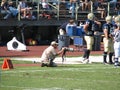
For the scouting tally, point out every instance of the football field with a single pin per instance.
(95, 76)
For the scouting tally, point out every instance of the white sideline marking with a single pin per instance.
(68, 60)
(33, 88)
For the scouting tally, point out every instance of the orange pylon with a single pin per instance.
(7, 64)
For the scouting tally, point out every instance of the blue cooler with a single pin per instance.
(78, 41)
(80, 31)
(71, 31)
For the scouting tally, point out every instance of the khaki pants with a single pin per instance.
(108, 45)
(89, 41)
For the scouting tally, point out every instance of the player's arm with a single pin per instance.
(86, 27)
(105, 33)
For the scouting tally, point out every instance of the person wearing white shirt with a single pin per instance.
(49, 54)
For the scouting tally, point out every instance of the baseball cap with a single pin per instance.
(54, 43)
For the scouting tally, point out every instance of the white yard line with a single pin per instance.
(33, 88)
(68, 60)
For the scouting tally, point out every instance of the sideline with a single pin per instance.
(68, 60)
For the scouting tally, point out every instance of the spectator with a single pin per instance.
(55, 2)
(118, 8)
(113, 3)
(34, 6)
(86, 5)
(95, 3)
(24, 9)
(4, 9)
(63, 7)
(12, 8)
(49, 55)
(101, 10)
(47, 10)
(45, 5)
(72, 7)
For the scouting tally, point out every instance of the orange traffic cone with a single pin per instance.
(7, 64)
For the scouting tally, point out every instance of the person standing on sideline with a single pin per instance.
(71, 26)
(49, 55)
(89, 35)
(63, 29)
(108, 28)
(116, 35)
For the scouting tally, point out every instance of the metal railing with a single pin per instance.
(56, 9)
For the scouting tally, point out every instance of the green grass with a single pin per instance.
(64, 77)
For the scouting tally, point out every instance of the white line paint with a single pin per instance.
(68, 60)
(33, 88)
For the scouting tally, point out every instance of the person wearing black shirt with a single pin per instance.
(89, 30)
(108, 28)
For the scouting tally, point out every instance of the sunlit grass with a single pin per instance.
(64, 77)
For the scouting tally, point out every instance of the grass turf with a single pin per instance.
(94, 76)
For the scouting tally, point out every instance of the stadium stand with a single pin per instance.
(47, 21)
